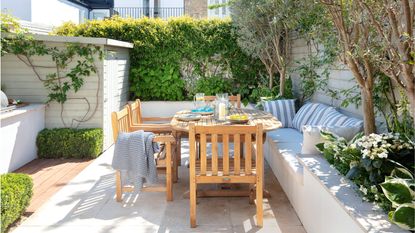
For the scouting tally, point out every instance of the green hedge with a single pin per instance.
(170, 56)
(69, 143)
(16, 192)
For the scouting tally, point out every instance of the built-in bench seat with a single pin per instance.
(323, 202)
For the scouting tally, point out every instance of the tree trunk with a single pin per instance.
(282, 82)
(270, 78)
(410, 89)
(368, 111)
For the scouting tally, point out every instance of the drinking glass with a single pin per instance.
(199, 100)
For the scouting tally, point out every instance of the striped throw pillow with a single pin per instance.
(319, 114)
(303, 115)
(284, 110)
(333, 118)
(353, 122)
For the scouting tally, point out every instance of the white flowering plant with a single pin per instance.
(367, 160)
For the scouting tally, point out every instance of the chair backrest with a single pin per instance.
(120, 122)
(235, 100)
(134, 112)
(247, 142)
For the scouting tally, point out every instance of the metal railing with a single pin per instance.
(151, 12)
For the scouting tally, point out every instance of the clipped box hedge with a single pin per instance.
(16, 192)
(69, 143)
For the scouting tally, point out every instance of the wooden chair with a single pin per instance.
(244, 167)
(235, 100)
(136, 117)
(121, 123)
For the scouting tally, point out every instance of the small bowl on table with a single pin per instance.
(238, 119)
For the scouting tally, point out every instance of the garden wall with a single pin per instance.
(340, 79)
(19, 82)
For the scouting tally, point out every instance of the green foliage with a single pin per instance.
(399, 190)
(69, 143)
(392, 107)
(170, 56)
(368, 160)
(213, 85)
(16, 192)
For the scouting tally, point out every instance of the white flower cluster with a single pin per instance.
(376, 146)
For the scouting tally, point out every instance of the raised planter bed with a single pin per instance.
(324, 200)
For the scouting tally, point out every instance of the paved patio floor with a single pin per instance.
(87, 204)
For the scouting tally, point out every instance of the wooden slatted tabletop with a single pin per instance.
(268, 121)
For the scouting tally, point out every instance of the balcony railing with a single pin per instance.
(151, 12)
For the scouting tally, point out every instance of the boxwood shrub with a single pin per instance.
(69, 143)
(16, 192)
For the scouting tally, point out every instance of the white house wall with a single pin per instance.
(171, 3)
(21, 9)
(128, 3)
(48, 12)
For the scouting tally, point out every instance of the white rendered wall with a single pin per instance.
(21, 9)
(128, 3)
(18, 132)
(340, 78)
(55, 12)
(171, 3)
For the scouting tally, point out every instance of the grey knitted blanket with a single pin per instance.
(134, 157)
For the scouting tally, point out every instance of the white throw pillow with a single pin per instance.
(311, 137)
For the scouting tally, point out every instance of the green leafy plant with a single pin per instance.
(213, 85)
(169, 56)
(69, 143)
(16, 192)
(367, 160)
(399, 190)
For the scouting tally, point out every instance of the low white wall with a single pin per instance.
(164, 108)
(18, 131)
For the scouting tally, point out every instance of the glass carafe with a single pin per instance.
(221, 106)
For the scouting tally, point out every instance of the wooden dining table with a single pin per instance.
(268, 121)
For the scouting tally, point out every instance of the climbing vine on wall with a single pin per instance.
(65, 76)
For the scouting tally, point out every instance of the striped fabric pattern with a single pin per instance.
(319, 114)
(284, 110)
(353, 122)
(303, 115)
(334, 118)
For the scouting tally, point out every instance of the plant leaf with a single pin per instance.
(396, 191)
(404, 216)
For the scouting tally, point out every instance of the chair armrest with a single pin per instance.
(164, 138)
(157, 119)
(155, 128)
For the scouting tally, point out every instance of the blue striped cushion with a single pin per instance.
(353, 122)
(303, 115)
(284, 110)
(333, 118)
(319, 114)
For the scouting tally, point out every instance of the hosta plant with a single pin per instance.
(399, 190)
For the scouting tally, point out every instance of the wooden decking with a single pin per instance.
(50, 175)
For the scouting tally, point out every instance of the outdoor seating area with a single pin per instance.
(291, 116)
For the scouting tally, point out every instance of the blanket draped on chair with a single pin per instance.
(134, 157)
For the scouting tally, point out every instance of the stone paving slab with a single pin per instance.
(87, 204)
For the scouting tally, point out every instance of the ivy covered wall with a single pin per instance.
(171, 60)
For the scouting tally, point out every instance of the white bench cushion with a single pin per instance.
(286, 135)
